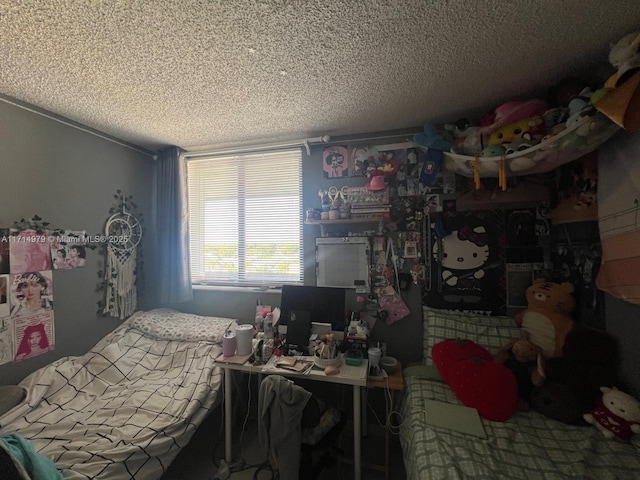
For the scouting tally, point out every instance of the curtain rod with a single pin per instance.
(78, 126)
(305, 142)
(325, 139)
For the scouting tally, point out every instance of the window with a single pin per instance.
(245, 214)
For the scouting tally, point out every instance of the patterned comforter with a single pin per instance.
(529, 445)
(126, 408)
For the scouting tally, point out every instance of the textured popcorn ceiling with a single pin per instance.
(197, 73)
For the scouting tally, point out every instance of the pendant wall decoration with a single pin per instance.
(123, 234)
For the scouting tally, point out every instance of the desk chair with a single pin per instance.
(292, 425)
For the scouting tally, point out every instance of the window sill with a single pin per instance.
(238, 289)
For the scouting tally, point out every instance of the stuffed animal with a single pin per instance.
(526, 362)
(622, 102)
(432, 138)
(617, 414)
(510, 132)
(547, 318)
(625, 57)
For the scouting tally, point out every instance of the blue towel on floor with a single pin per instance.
(37, 466)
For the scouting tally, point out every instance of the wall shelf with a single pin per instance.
(344, 221)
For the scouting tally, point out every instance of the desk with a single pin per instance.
(349, 375)
(395, 382)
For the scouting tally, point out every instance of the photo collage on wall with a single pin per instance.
(27, 261)
(402, 164)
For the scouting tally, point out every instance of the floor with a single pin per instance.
(202, 458)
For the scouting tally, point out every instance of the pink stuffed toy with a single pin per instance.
(616, 415)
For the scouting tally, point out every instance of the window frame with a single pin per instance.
(245, 162)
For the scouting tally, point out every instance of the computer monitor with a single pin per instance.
(323, 304)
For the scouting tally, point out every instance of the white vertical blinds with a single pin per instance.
(245, 218)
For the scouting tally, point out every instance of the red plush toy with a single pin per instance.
(476, 379)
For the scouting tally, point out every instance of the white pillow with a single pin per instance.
(168, 324)
(487, 331)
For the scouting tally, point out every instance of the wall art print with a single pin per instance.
(466, 262)
(335, 162)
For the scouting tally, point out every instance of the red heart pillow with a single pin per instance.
(476, 379)
(448, 352)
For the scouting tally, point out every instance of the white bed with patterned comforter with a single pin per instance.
(126, 408)
(529, 445)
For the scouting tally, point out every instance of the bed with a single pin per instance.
(126, 408)
(528, 445)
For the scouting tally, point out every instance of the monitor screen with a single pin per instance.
(324, 304)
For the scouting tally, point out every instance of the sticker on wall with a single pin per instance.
(335, 162)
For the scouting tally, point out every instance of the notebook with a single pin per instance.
(454, 417)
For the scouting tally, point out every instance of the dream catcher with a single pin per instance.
(123, 232)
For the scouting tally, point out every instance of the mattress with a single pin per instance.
(125, 408)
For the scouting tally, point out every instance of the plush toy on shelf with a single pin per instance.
(547, 318)
(622, 102)
(617, 414)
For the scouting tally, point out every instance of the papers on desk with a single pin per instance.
(295, 364)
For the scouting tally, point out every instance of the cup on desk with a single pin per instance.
(229, 343)
(244, 335)
(374, 354)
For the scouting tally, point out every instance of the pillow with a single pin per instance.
(168, 324)
(487, 331)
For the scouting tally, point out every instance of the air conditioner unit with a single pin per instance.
(343, 262)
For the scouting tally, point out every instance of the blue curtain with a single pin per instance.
(173, 282)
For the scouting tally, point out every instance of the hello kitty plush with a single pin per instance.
(617, 414)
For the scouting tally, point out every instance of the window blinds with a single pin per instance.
(245, 218)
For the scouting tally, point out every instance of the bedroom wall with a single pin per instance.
(68, 177)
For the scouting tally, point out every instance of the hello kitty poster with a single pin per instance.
(467, 262)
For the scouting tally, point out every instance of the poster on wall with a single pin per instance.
(6, 340)
(29, 251)
(576, 255)
(574, 194)
(31, 293)
(68, 251)
(357, 151)
(466, 262)
(335, 162)
(4, 250)
(33, 335)
(5, 306)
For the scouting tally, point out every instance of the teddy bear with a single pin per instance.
(526, 362)
(617, 414)
(547, 319)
